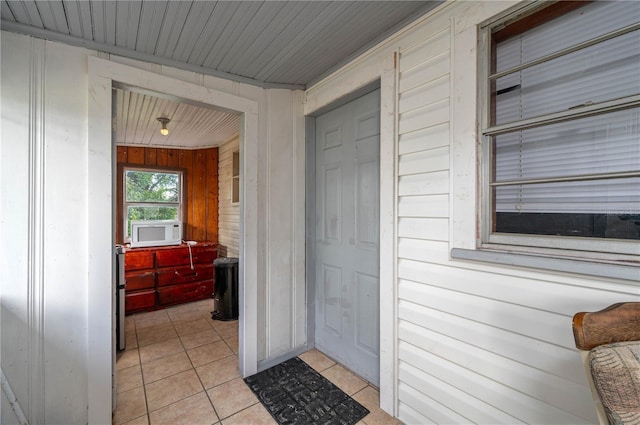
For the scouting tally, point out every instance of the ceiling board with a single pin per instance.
(285, 44)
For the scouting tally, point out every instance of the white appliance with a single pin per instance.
(155, 233)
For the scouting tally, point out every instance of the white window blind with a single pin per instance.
(582, 165)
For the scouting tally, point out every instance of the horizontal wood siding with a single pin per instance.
(228, 212)
(475, 343)
(200, 220)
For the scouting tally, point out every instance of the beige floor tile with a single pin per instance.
(254, 415)
(226, 329)
(156, 333)
(344, 379)
(317, 360)
(129, 405)
(142, 420)
(152, 318)
(218, 372)
(129, 322)
(232, 342)
(160, 349)
(193, 326)
(231, 397)
(127, 358)
(171, 389)
(129, 378)
(370, 398)
(209, 353)
(193, 410)
(131, 340)
(199, 338)
(165, 366)
(185, 316)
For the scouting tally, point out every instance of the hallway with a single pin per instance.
(181, 367)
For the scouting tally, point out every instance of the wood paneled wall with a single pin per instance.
(200, 166)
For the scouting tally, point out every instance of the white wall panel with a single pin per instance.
(424, 161)
(424, 139)
(436, 182)
(228, 212)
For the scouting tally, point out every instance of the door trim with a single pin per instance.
(101, 74)
(386, 80)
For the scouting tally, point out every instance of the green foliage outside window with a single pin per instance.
(151, 195)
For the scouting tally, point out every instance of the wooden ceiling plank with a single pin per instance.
(334, 19)
(195, 23)
(212, 31)
(52, 15)
(26, 13)
(253, 38)
(236, 29)
(6, 12)
(110, 15)
(173, 26)
(72, 13)
(369, 20)
(127, 23)
(151, 22)
(277, 36)
(338, 36)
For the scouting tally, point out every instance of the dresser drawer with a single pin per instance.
(142, 300)
(138, 260)
(140, 280)
(180, 256)
(175, 275)
(184, 293)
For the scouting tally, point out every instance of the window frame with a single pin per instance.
(235, 177)
(516, 22)
(121, 193)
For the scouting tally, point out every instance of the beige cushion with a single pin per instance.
(616, 376)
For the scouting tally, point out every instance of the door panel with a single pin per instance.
(347, 235)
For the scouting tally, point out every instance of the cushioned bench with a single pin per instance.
(609, 343)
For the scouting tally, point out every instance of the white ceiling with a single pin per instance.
(191, 126)
(288, 44)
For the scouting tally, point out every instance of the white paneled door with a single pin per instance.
(347, 235)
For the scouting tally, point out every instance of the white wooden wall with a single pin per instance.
(228, 212)
(43, 224)
(54, 347)
(476, 343)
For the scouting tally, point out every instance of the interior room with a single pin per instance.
(432, 198)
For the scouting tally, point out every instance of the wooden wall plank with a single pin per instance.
(185, 160)
(150, 157)
(162, 157)
(199, 193)
(173, 157)
(122, 154)
(136, 155)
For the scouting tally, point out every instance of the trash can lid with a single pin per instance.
(225, 261)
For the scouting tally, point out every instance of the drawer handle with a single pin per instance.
(194, 274)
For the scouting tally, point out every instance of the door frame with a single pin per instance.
(384, 78)
(101, 156)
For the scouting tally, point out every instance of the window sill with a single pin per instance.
(624, 271)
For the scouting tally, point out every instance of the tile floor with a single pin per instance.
(181, 367)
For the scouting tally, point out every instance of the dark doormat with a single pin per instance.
(294, 393)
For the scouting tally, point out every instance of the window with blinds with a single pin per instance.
(562, 127)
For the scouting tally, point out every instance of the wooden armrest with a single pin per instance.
(616, 323)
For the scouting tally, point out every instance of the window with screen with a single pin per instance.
(151, 195)
(561, 128)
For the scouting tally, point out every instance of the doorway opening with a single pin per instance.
(102, 152)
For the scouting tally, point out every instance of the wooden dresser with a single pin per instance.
(158, 277)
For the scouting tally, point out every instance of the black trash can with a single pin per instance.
(225, 293)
